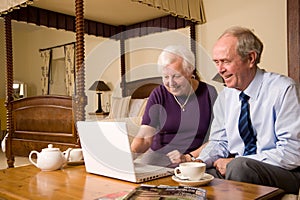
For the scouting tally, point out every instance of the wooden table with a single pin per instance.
(73, 182)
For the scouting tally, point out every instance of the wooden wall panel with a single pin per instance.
(293, 40)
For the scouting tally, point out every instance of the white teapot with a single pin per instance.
(50, 158)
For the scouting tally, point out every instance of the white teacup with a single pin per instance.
(192, 171)
(75, 155)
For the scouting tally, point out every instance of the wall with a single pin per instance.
(266, 17)
(33, 40)
(27, 40)
(141, 56)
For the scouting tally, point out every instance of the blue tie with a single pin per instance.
(245, 127)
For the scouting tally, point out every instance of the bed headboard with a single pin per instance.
(141, 88)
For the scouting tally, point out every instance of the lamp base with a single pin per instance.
(101, 112)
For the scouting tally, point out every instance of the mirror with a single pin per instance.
(20, 90)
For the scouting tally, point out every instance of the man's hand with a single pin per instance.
(176, 157)
(221, 164)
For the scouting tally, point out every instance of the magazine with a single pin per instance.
(114, 196)
(164, 192)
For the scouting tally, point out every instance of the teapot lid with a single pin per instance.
(50, 148)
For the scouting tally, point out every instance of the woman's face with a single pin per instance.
(175, 79)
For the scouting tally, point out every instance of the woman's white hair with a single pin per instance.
(171, 53)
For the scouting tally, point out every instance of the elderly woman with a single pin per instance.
(178, 113)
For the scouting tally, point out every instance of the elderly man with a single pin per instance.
(255, 135)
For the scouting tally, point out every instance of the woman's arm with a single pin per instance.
(143, 140)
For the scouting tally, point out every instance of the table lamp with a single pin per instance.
(218, 78)
(99, 86)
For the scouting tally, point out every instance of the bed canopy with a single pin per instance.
(26, 13)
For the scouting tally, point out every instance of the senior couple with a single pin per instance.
(185, 120)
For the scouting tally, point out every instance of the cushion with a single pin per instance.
(119, 107)
(133, 125)
(142, 109)
(137, 107)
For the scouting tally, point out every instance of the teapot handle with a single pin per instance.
(66, 154)
(30, 155)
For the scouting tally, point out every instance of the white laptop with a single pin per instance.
(106, 152)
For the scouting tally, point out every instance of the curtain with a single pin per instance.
(9, 5)
(70, 68)
(46, 56)
(189, 9)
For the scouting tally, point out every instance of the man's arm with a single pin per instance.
(287, 129)
(217, 144)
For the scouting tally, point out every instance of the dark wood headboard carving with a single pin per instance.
(141, 88)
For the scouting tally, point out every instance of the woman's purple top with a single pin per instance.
(177, 129)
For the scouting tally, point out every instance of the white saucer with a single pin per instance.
(203, 181)
(80, 162)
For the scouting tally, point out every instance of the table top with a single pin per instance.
(73, 182)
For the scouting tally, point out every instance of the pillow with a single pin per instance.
(137, 107)
(143, 107)
(119, 107)
(133, 125)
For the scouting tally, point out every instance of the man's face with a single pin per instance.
(175, 79)
(236, 72)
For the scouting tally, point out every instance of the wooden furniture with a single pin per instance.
(41, 120)
(141, 88)
(98, 116)
(138, 89)
(293, 39)
(73, 182)
(80, 99)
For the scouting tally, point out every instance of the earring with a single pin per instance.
(193, 76)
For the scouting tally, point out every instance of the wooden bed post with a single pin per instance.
(193, 39)
(122, 57)
(9, 90)
(80, 96)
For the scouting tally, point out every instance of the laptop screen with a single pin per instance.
(107, 143)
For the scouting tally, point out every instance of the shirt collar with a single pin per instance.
(254, 87)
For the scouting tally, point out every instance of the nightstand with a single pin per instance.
(99, 116)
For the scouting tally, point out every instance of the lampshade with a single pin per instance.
(99, 86)
(218, 78)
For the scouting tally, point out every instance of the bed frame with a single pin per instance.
(141, 88)
(42, 120)
(34, 122)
